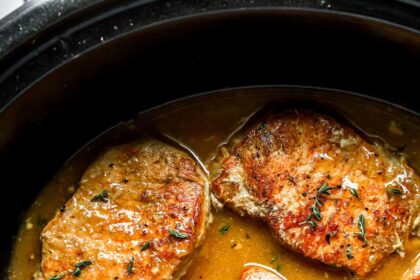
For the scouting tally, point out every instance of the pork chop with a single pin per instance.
(139, 213)
(323, 190)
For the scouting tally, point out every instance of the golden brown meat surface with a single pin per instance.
(255, 272)
(323, 190)
(139, 213)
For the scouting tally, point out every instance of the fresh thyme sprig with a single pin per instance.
(362, 226)
(323, 190)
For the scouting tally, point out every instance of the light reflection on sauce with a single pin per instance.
(397, 181)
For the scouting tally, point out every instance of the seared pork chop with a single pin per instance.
(323, 190)
(139, 213)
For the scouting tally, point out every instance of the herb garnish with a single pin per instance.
(58, 276)
(79, 266)
(177, 234)
(224, 229)
(323, 190)
(312, 224)
(309, 222)
(354, 192)
(130, 266)
(145, 246)
(349, 252)
(361, 224)
(395, 191)
(103, 196)
(274, 262)
(76, 272)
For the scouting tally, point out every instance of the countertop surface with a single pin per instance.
(7, 6)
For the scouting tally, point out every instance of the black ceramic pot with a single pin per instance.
(71, 69)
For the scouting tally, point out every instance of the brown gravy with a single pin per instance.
(202, 123)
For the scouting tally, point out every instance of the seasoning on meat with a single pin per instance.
(323, 190)
(122, 220)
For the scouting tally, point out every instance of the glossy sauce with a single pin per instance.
(202, 124)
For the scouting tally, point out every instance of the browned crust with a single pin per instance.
(153, 188)
(274, 172)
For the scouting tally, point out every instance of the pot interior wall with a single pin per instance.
(118, 79)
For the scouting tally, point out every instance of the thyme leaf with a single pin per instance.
(361, 223)
(79, 266)
(177, 234)
(324, 189)
(312, 224)
(83, 264)
(76, 272)
(57, 277)
(309, 222)
(103, 196)
(395, 191)
(145, 246)
(354, 192)
(130, 265)
(224, 229)
(315, 211)
(275, 262)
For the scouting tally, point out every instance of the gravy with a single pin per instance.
(201, 124)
